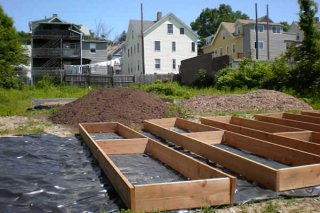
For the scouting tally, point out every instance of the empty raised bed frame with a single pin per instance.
(202, 184)
(292, 120)
(286, 136)
(315, 113)
(290, 168)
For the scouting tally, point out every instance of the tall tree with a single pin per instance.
(209, 20)
(11, 52)
(310, 48)
(285, 25)
(24, 37)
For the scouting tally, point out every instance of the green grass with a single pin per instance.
(16, 102)
(173, 90)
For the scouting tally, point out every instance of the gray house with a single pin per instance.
(56, 43)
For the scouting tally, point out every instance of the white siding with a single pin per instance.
(183, 48)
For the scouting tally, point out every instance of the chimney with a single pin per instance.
(159, 15)
(54, 15)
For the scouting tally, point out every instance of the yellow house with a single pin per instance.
(228, 40)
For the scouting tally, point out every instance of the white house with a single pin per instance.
(167, 42)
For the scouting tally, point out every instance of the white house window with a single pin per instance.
(174, 64)
(298, 36)
(223, 36)
(227, 49)
(137, 47)
(260, 44)
(173, 46)
(238, 30)
(181, 31)
(276, 29)
(93, 47)
(220, 51)
(134, 49)
(260, 28)
(157, 64)
(138, 65)
(233, 48)
(157, 45)
(193, 46)
(170, 28)
(215, 52)
(128, 53)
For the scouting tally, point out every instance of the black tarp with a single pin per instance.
(46, 173)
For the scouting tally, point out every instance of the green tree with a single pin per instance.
(11, 52)
(209, 20)
(285, 25)
(24, 37)
(305, 77)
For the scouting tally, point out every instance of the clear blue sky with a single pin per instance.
(116, 14)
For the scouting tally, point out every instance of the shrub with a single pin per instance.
(203, 80)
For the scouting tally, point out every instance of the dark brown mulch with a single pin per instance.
(128, 106)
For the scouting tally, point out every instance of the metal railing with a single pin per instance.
(55, 34)
(56, 52)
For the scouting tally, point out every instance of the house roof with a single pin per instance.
(57, 20)
(148, 25)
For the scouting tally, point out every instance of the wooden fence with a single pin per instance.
(99, 80)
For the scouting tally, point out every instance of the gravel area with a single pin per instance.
(260, 100)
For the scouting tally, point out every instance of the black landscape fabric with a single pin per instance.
(46, 173)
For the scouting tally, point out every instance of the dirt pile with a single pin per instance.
(264, 100)
(128, 106)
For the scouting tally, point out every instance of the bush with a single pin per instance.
(203, 80)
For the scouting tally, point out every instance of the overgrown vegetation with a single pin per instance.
(16, 101)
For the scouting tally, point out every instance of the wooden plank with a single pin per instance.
(102, 127)
(210, 137)
(118, 180)
(303, 135)
(123, 146)
(296, 143)
(192, 126)
(287, 122)
(304, 118)
(270, 150)
(299, 177)
(165, 122)
(315, 137)
(263, 126)
(264, 175)
(315, 113)
(187, 194)
(127, 132)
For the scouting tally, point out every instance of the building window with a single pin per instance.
(227, 49)
(173, 46)
(128, 53)
(157, 64)
(215, 52)
(131, 51)
(298, 36)
(223, 36)
(193, 46)
(138, 65)
(233, 48)
(260, 44)
(260, 28)
(181, 31)
(238, 30)
(93, 47)
(174, 64)
(220, 51)
(170, 28)
(157, 45)
(134, 49)
(132, 34)
(137, 47)
(276, 29)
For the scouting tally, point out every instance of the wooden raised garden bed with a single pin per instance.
(286, 136)
(298, 121)
(270, 165)
(122, 153)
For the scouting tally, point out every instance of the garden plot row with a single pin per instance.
(274, 166)
(150, 176)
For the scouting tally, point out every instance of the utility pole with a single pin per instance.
(142, 41)
(268, 34)
(257, 39)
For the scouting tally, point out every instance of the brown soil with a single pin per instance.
(128, 106)
(260, 100)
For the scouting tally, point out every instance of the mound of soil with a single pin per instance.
(264, 100)
(128, 106)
